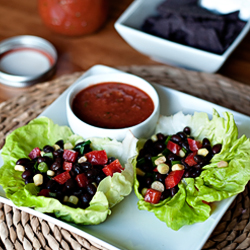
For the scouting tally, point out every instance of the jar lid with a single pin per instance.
(25, 60)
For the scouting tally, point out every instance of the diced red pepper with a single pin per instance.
(173, 147)
(152, 196)
(155, 169)
(70, 155)
(194, 145)
(112, 168)
(67, 165)
(82, 180)
(173, 178)
(36, 152)
(190, 159)
(62, 178)
(44, 192)
(97, 157)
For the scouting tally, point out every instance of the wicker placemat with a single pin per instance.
(19, 230)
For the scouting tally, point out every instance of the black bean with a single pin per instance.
(29, 180)
(58, 153)
(99, 178)
(187, 173)
(85, 199)
(182, 135)
(23, 162)
(198, 158)
(159, 146)
(147, 167)
(198, 166)
(77, 169)
(160, 137)
(85, 166)
(194, 173)
(91, 174)
(148, 181)
(174, 190)
(148, 144)
(148, 158)
(185, 145)
(27, 173)
(149, 147)
(216, 148)
(187, 130)
(173, 157)
(142, 153)
(91, 189)
(72, 174)
(60, 143)
(51, 184)
(55, 166)
(110, 159)
(160, 177)
(59, 196)
(48, 149)
(184, 163)
(70, 184)
(59, 171)
(176, 138)
(205, 143)
(165, 194)
(77, 192)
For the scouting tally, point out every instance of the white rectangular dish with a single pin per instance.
(128, 227)
(129, 26)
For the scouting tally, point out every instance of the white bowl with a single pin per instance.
(141, 130)
(129, 27)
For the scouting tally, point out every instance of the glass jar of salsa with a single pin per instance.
(73, 17)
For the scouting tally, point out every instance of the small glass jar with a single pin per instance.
(73, 17)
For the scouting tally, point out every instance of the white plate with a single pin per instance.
(128, 227)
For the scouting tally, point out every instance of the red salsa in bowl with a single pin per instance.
(112, 105)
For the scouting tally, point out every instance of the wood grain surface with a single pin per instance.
(103, 47)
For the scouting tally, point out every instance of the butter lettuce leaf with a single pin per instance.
(42, 131)
(189, 205)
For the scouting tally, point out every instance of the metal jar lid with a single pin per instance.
(25, 60)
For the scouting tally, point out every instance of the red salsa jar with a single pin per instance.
(73, 17)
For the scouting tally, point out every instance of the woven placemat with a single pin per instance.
(19, 230)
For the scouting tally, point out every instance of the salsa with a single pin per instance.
(112, 105)
(73, 17)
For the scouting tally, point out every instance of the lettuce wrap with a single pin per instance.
(190, 204)
(42, 131)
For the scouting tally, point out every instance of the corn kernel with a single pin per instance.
(65, 198)
(222, 164)
(163, 168)
(68, 145)
(50, 173)
(20, 168)
(202, 151)
(139, 172)
(156, 185)
(82, 159)
(154, 138)
(73, 199)
(176, 167)
(38, 179)
(160, 160)
(144, 191)
(56, 147)
(181, 153)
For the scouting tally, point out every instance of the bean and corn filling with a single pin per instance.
(69, 174)
(165, 160)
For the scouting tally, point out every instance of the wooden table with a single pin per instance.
(104, 47)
